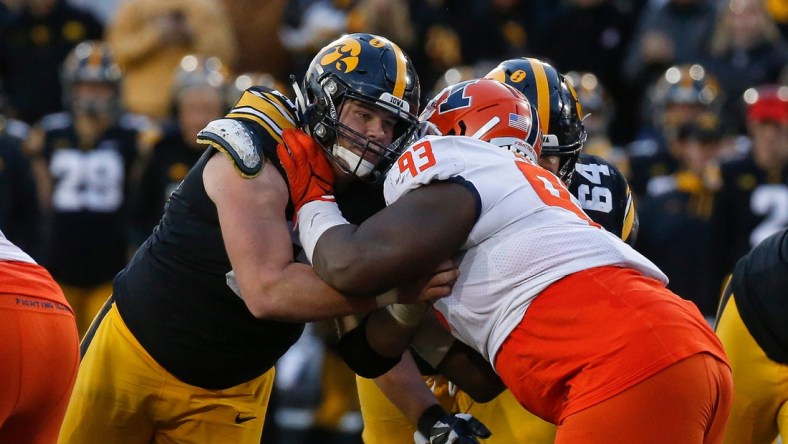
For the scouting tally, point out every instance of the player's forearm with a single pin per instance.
(348, 262)
(299, 295)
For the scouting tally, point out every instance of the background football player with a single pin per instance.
(752, 202)
(84, 162)
(751, 325)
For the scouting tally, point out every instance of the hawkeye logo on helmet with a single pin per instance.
(397, 102)
(343, 55)
(518, 76)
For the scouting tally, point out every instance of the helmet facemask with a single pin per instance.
(325, 99)
(91, 62)
(93, 105)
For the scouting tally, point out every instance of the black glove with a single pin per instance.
(437, 426)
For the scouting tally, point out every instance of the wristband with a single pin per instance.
(408, 315)
(429, 418)
(387, 298)
(432, 342)
(314, 218)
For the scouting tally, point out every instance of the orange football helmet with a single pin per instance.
(487, 110)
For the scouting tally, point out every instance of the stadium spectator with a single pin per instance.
(751, 325)
(308, 25)
(19, 211)
(746, 50)
(751, 202)
(33, 45)
(256, 30)
(150, 37)
(591, 35)
(675, 221)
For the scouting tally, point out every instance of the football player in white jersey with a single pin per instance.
(578, 325)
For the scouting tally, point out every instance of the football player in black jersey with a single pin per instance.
(676, 220)
(599, 186)
(752, 326)
(681, 93)
(84, 161)
(199, 96)
(752, 202)
(19, 209)
(184, 350)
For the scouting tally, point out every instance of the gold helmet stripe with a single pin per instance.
(497, 74)
(629, 217)
(578, 106)
(542, 93)
(263, 110)
(95, 56)
(402, 67)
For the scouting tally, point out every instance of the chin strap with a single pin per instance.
(356, 164)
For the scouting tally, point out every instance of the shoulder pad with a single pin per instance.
(137, 122)
(615, 174)
(235, 139)
(16, 128)
(267, 111)
(55, 121)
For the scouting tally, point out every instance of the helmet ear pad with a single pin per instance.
(365, 68)
(321, 113)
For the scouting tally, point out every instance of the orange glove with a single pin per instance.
(309, 172)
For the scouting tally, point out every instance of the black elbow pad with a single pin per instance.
(354, 348)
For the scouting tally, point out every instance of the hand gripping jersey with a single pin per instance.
(529, 233)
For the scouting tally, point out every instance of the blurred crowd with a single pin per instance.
(100, 102)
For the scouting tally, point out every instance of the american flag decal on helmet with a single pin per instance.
(520, 122)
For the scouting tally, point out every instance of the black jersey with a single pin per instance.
(604, 194)
(18, 198)
(674, 233)
(649, 162)
(87, 229)
(174, 296)
(750, 205)
(760, 287)
(164, 170)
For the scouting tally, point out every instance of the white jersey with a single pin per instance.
(529, 233)
(10, 252)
